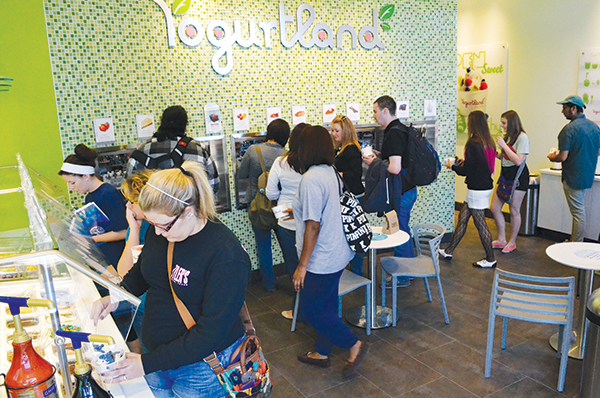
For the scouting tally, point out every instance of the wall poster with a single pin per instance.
(588, 82)
(482, 85)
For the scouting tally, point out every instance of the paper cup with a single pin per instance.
(367, 151)
(135, 252)
(104, 362)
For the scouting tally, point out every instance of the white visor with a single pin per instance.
(78, 169)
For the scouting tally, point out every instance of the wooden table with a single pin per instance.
(381, 317)
(586, 257)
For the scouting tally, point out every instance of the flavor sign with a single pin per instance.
(222, 36)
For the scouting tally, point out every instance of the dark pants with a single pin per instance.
(319, 305)
(403, 210)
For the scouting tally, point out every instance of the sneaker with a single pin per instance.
(484, 264)
(498, 245)
(509, 249)
(402, 281)
(444, 254)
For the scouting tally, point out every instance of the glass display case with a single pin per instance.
(43, 256)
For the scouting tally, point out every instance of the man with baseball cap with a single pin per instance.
(578, 150)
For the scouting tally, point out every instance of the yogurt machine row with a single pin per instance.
(112, 161)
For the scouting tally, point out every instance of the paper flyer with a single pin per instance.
(241, 120)
(353, 112)
(145, 126)
(273, 113)
(212, 118)
(402, 112)
(298, 114)
(329, 113)
(104, 131)
(429, 109)
(588, 85)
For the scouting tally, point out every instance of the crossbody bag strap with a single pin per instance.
(183, 311)
(260, 158)
(516, 182)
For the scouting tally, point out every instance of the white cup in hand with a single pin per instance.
(367, 151)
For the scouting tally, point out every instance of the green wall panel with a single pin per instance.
(111, 59)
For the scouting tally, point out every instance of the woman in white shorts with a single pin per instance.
(477, 167)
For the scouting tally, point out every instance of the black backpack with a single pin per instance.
(176, 155)
(422, 164)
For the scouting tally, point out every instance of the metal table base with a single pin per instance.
(382, 318)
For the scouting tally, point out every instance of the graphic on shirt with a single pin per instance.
(180, 276)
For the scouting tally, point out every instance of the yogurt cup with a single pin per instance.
(135, 252)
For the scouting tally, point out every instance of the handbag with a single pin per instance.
(354, 220)
(506, 188)
(248, 374)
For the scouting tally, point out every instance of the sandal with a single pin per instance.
(320, 362)
(349, 367)
(509, 249)
(498, 245)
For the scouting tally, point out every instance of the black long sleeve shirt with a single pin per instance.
(349, 162)
(210, 274)
(475, 168)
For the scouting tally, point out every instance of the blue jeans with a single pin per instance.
(356, 264)
(265, 256)
(197, 380)
(403, 210)
(319, 305)
(287, 242)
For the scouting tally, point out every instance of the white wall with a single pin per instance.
(545, 38)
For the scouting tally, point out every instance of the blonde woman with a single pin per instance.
(210, 279)
(348, 160)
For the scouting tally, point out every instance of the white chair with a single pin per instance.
(533, 299)
(427, 239)
(349, 282)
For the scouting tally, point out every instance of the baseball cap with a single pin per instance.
(573, 99)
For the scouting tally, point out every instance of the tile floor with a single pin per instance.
(422, 356)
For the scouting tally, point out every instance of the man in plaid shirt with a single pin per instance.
(172, 129)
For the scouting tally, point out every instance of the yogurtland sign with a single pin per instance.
(221, 35)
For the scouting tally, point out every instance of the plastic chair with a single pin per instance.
(427, 240)
(349, 282)
(534, 299)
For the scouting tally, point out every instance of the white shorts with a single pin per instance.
(478, 199)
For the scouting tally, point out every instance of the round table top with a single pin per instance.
(581, 255)
(392, 240)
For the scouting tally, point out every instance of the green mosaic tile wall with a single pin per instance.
(111, 59)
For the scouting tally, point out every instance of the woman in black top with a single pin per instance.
(348, 160)
(210, 279)
(477, 167)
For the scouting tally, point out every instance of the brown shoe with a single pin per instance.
(349, 367)
(305, 358)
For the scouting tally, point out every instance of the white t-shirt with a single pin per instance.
(318, 199)
(282, 174)
(521, 147)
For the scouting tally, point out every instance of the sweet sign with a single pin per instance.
(221, 35)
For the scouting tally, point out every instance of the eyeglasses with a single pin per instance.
(167, 227)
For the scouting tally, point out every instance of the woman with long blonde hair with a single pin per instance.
(180, 258)
(348, 160)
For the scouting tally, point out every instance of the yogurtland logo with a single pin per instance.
(221, 35)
